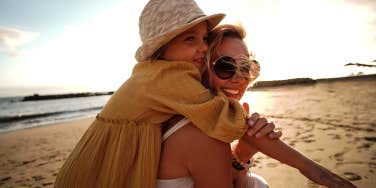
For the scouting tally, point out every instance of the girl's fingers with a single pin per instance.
(253, 119)
(260, 123)
(275, 135)
(268, 128)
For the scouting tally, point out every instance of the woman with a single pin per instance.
(121, 147)
(190, 158)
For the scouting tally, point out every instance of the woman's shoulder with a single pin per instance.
(186, 151)
(191, 139)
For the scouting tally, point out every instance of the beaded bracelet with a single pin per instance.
(240, 165)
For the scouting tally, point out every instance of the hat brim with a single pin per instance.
(149, 47)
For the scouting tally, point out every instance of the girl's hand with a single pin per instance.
(260, 126)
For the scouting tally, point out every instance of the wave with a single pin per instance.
(8, 119)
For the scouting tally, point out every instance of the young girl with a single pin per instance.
(122, 146)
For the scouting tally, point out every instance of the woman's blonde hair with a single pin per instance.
(215, 37)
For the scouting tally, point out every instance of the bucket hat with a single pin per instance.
(163, 20)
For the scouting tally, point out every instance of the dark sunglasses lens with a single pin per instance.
(224, 67)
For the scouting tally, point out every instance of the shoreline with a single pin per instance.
(56, 123)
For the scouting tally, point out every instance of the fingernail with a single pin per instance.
(258, 135)
(249, 133)
(250, 122)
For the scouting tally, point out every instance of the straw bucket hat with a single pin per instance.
(163, 20)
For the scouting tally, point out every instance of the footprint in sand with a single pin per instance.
(372, 165)
(309, 140)
(335, 136)
(371, 139)
(338, 156)
(352, 176)
(4, 179)
(365, 146)
(327, 128)
(297, 134)
(27, 162)
(272, 165)
(38, 178)
(48, 183)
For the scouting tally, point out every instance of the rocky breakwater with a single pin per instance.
(36, 97)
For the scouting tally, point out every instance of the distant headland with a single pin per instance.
(37, 97)
(307, 81)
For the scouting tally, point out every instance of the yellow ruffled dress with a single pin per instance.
(122, 146)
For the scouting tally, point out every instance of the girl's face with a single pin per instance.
(190, 46)
(235, 86)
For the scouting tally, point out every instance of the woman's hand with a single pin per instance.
(259, 126)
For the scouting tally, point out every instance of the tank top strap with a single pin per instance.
(176, 127)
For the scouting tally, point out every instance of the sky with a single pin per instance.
(89, 45)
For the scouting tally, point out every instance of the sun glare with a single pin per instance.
(314, 40)
(302, 38)
(97, 55)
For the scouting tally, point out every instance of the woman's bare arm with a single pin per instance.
(282, 152)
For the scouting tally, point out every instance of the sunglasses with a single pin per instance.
(225, 67)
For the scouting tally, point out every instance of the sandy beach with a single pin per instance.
(32, 157)
(334, 123)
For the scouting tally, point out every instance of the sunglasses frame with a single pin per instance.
(231, 71)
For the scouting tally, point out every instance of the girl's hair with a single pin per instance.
(158, 54)
(215, 38)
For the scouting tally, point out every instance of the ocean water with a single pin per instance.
(349, 103)
(16, 114)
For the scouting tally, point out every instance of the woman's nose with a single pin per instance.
(238, 76)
